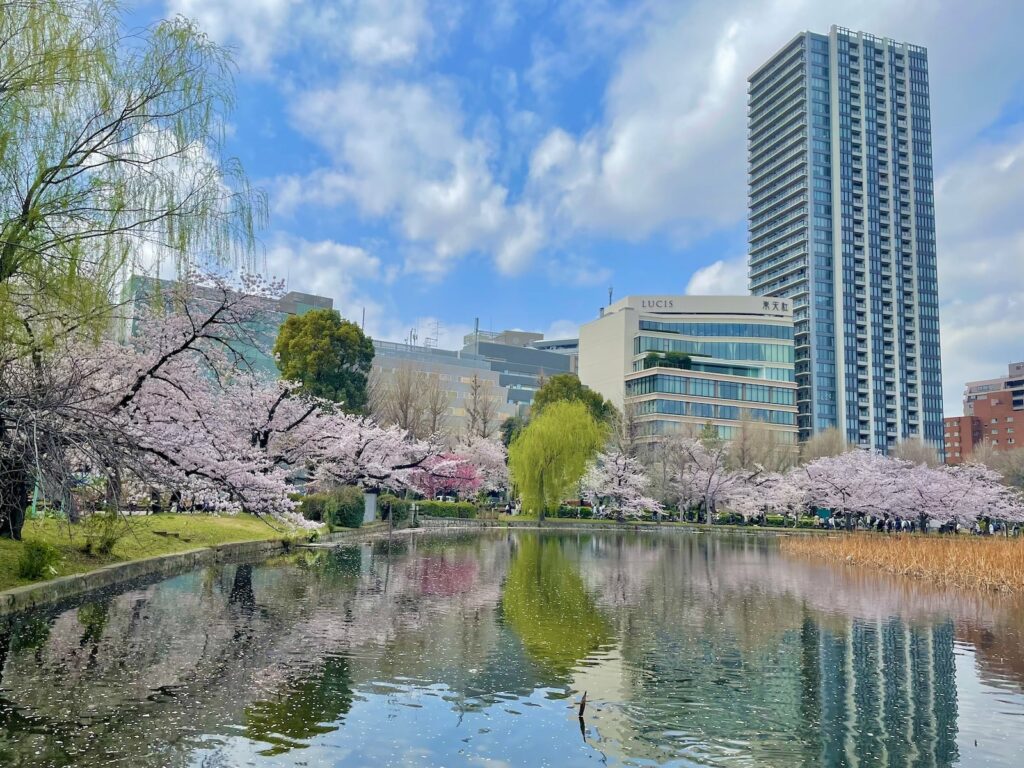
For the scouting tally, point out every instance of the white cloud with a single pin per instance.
(399, 149)
(577, 271)
(722, 278)
(669, 154)
(562, 329)
(365, 32)
(981, 265)
(257, 28)
(387, 31)
(326, 268)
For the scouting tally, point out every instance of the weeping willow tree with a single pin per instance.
(110, 155)
(550, 456)
(111, 158)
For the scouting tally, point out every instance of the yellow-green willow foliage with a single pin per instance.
(110, 155)
(550, 456)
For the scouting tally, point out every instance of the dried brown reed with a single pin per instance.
(987, 563)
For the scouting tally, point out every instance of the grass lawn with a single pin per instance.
(140, 540)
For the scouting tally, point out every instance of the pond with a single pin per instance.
(475, 650)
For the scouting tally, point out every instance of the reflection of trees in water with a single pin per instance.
(722, 643)
(302, 708)
(545, 601)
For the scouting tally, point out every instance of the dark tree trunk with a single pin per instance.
(14, 489)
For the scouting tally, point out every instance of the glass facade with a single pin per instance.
(842, 222)
(723, 390)
(660, 427)
(739, 330)
(725, 350)
(713, 411)
(738, 370)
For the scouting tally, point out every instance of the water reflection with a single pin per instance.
(545, 602)
(459, 649)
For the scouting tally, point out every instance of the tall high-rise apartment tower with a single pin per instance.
(842, 223)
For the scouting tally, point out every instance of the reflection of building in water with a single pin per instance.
(887, 694)
(826, 691)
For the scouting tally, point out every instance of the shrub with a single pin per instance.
(774, 520)
(581, 512)
(37, 560)
(344, 507)
(400, 509)
(102, 531)
(460, 509)
(312, 506)
(728, 518)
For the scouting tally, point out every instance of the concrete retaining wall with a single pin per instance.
(161, 566)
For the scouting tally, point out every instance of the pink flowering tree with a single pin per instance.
(358, 451)
(446, 474)
(490, 460)
(855, 484)
(755, 495)
(619, 483)
(701, 477)
(175, 408)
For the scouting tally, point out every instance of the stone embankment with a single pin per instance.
(162, 566)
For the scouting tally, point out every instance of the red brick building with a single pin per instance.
(962, 433)
(993, 415)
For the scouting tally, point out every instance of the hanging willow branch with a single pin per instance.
(111, 156)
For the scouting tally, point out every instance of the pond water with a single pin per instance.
(475, 649)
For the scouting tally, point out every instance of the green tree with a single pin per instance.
(567, 386)
(679, 360)
(550, 456)
(331, 357)
(709, 436)
(510, 429)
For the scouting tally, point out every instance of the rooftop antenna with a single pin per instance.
(431, 341)
(609, 295)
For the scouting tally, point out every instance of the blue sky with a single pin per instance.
(434, 162)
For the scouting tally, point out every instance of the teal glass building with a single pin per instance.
(842, 223)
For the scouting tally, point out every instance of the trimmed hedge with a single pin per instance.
(583, 513)
(460, 509)
(400, 509)
(344, 508)
(312, 506)
(340, 508)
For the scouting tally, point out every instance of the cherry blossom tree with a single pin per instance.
(358, 451)
(756, 494)
(446, 474)
(701, 476)
(854, 484)
(619, 482)
(490, 459)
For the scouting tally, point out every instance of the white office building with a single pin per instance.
(681, 362)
